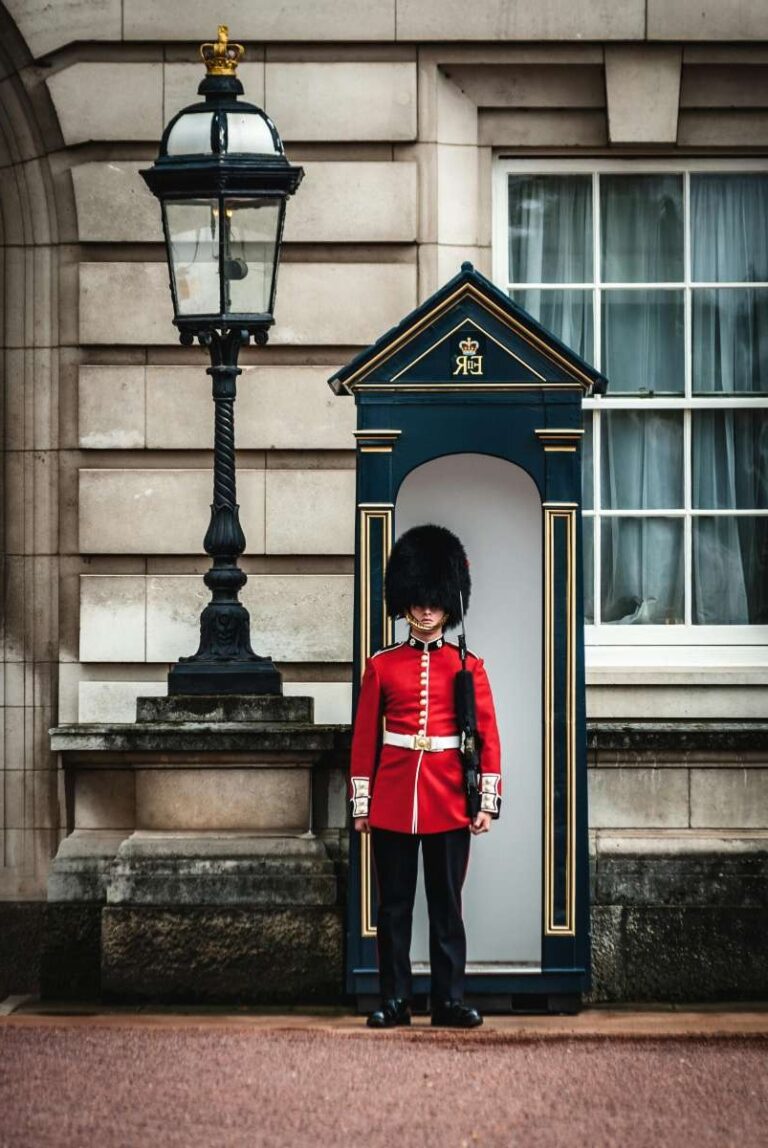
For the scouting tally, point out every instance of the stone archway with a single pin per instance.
(30, 234)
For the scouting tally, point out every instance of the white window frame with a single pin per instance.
(645, 645)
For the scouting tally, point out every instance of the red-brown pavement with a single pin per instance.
(124, 1078)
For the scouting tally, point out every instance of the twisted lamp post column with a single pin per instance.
(223, 181)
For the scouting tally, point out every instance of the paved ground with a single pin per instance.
(603, 1078)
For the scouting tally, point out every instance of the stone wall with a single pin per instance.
(396, 110)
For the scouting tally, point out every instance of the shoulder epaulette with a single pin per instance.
(455, 646)
(386, 649)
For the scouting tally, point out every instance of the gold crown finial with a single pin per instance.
(222, 58)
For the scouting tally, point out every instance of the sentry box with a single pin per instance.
(469, 415)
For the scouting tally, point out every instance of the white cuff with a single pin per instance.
(361, 799)
(490, 798)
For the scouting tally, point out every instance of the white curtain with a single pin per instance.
(642, 230)
(550, 241)
(729, 217)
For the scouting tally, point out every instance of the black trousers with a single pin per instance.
(396, 857)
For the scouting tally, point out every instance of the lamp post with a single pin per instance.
(223, 181)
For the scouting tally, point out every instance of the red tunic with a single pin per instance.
(411, 687)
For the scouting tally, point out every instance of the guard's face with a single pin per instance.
(428, 616)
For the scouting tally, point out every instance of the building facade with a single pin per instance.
(607, 163)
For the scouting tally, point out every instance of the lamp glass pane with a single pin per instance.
(250, 248)
(193, 244)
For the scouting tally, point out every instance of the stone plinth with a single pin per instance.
(192, 865)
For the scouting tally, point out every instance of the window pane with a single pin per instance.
(642, 460)
(550, 228)
(567, 314)
(193, 230)
(642, 571)
(728, 227)
(587, 472)
(730, 460)
(249, 252)
(730, 340)
(588, 551)
(730, 571)
(641, 219)
(643, 341)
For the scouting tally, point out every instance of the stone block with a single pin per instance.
(105, 799)
(531, 85)
(729, 798)
(710, 86)
(254, 709)
(46, 27)
(363, 202)
(339, 202)
(319, 606)
(317, 303)
(666, 953)
(111, 407)
(125, 303)
(278, 408)
(108, 101)
(499, 20)
(638, 797)
(310, 511)
(341, 303)
(729, 129)
(706, 877)
(349, 101)
(322, 20)
(231, 800)
(643, 92)
(160, 511)
(707, 20)
(106, 702)
(112, 618)
(114, 205)
(80, 870)
(524, 128)
(457, 195)
(223, 954)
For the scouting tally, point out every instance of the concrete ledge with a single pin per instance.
(230, 738)
(677, 735)
(248, 955)
(181, 869)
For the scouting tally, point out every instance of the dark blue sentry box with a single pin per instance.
(469, 414)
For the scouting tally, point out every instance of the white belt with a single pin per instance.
(421, 741)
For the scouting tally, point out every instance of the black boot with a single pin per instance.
(393, 1012)
(455, 1014)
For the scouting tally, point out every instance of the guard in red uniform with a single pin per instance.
(407, 778)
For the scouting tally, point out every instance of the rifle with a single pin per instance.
(466, 718)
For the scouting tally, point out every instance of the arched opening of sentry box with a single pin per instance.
(495, 508)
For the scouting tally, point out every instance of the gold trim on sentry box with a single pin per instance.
(559, 438)
(566, 511)
(468, 289)
(371, 512)
(453, 331)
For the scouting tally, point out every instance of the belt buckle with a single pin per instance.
(421, 741)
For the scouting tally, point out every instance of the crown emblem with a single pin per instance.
(222, 58)
(469, 346)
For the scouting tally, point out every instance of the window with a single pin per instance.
(657, 274)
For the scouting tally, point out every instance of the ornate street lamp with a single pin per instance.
(223, 182)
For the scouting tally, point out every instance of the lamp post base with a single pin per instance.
(199, 677)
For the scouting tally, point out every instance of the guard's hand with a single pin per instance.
(481, 824)
(361, 825)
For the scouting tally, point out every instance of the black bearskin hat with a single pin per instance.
(427, 567)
